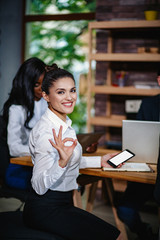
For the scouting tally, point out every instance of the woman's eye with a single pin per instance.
(73, 90)
(61, 92)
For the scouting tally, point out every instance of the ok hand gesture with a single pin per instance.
(65, 152)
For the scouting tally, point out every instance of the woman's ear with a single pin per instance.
(45, 96)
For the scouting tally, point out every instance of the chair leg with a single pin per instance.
(77, 199)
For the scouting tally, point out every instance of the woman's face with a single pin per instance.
(62, 97)
(37, 88)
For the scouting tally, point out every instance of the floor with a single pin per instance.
(101, 209)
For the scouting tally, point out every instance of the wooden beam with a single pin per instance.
(60, 17)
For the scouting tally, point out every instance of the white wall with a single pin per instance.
(10, 44)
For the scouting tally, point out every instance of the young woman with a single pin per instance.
(57, 157)
(21, 111)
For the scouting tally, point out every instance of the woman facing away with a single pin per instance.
(21, 111)
(57, 157)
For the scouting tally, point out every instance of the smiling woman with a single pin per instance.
(61, 96)
(57, 157)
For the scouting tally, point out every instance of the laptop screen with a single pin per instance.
(142, 138)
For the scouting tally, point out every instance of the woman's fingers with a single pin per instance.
(68, 140)
(60, 133)
(74, 142)
(54, 135)
(58, 139)
(52, 143)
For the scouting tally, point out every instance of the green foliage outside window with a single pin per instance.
(72, 6)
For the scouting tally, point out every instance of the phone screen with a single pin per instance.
(120, 158)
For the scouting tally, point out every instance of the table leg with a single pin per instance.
(77, 199)
(91, 196)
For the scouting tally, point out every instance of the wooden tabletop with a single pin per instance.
(26, 161)
(143, 177)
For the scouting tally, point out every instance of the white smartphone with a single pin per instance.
(120, 158)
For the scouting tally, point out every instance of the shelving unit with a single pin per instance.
(111, 120)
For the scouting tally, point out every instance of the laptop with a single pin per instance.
(142, 138)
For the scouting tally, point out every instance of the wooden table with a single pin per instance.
(107, 176)
(26, 160)
(141, 177)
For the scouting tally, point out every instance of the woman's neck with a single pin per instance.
(59, 114)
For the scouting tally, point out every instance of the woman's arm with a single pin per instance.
(17, 138)
(50, 157)
(96, 161)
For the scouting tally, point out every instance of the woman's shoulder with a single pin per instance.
(43, 124)
(18, 110)
(16, 107)
(41, 102)
(17, 113)
(42, 131)
(40, 107)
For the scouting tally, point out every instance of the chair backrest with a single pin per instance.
(4, 151)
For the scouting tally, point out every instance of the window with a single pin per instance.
(56, 31)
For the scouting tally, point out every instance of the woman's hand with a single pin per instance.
(92, 148)
(65, 152)
(105, 158)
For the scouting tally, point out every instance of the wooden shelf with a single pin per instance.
(108, 121)
(126, 57)
(109, 55)
(104, 89)
(138, 24)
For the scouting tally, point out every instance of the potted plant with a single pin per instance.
(152, 8)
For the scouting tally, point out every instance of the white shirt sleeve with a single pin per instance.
(90, 162)
(46, 171)
(15, 132)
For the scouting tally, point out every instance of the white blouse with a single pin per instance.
(47, 174)
(17, 133)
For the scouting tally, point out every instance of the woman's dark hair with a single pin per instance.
(22, 92)
(53, 73)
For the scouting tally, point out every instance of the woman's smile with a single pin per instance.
(67, 104)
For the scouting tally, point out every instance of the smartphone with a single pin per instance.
(120, 158)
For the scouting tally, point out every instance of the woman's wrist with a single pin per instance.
(62, 163)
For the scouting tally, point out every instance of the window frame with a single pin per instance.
(50, 17)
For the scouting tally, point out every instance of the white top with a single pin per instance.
(47, 174)
(17, 133)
